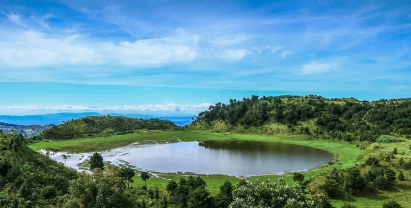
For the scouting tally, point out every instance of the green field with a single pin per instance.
(345, 155)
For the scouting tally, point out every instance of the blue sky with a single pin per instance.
(178, 57)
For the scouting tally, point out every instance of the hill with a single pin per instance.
(102, 126)
(344, 119)
(28, 178)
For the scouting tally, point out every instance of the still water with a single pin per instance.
(235, 158)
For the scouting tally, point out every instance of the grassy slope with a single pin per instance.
(401, 192)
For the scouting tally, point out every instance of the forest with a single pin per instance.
(345, 119)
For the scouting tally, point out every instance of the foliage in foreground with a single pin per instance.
(30, 179)
(276, 195)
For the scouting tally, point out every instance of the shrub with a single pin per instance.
(49, 192)
(391, 204)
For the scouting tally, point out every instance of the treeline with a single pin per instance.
(345, 119)
(102, 126)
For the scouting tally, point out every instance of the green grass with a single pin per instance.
(345, 154)
(401, 192)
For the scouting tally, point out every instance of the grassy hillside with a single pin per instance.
(29, 179)
(382, 129)
(343, 119)
(102, 126)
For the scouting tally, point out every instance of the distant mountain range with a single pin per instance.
(58, 118)
(25, 130)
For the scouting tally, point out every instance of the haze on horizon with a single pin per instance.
(179, 57)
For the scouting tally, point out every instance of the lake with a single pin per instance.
(232, 157)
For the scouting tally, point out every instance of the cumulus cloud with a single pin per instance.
(233, 55)
(169, 107)
(32, 49)
(316, 67)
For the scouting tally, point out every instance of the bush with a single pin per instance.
(348, 206)
(388, 139)
(391, 204)
(401, 176)
(298, 177)
(49, 192)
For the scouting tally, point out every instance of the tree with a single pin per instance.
(171, 186)
(49, 192)
(145, 176)
(353, 181)
(98, 190)
(64, 158)
(298, 177)
(225, 196)
(96, 161)
(181, 193)
(199, 198)
(127, 174)
(394, 151)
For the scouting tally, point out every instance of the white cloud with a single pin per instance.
(233, 55)
(14, 18)
(285, 54)
(319, 67)
(169, 107)
(227, 40)
(275, 49)
(32, 49)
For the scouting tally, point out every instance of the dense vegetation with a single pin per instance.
(368, 124)
(344, 119)
(102, 126)
(27, 178)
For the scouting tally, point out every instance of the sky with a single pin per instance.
(178, 57)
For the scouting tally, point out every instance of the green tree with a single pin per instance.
(298, 177)
(98, 190)
(96, 161)
(171, 186)
(64, 158)
(225, 196)
(127, 174)
(199, 198)
(145, 176)
(353, 181)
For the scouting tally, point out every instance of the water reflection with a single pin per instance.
(233, 157)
